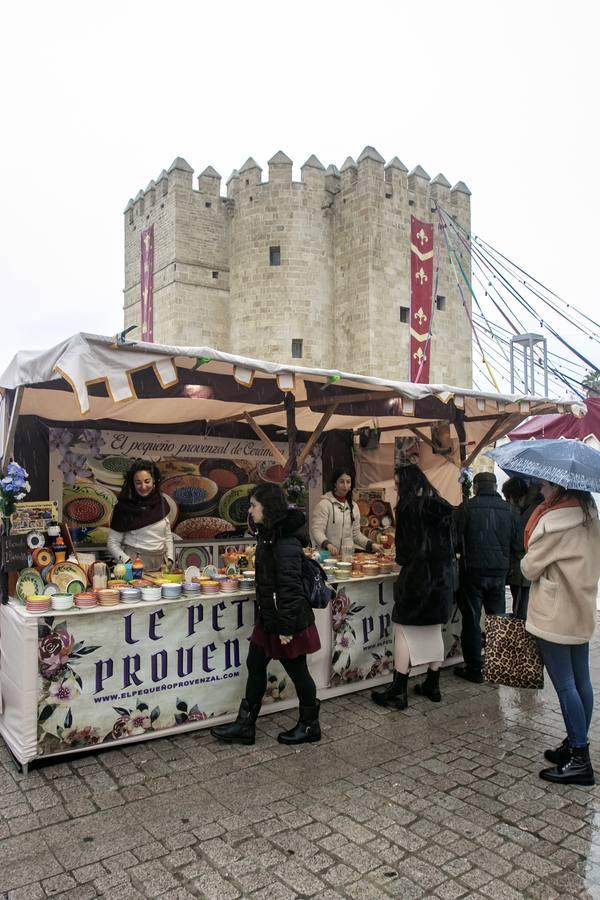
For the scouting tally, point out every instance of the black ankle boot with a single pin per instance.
(243, 730)
(393, 696)
(560, 755)
(577, 769)
(307, 730)
(431, 686)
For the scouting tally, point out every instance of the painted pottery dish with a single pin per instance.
(151, 593)
(210, 571)
(172, 577)
(59, 601)
(86, 600)
(43, 557)
(108, 597)
(131, 595)
(378, 508)
(29, 582)
(171, 591)
(35, 540)
(37, 603)
(191, 493)
(110, 470)
(62, 573)
(224, 472)
(87, 505)
(202, 528)
(235, 504)
(385, 566)
(51, 589)
(75, 586)
(194, 556)
(191, 572)
(273, 472)
(246, 584)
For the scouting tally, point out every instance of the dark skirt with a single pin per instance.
(305, 641)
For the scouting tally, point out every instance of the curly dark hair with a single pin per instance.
(139, 465)
(273, 501)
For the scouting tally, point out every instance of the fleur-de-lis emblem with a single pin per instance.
(420, 315)
(422, 237)
(421, 275)
(419, 355)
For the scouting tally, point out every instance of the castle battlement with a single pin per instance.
(323, 261)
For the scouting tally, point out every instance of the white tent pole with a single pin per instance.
(12, 427)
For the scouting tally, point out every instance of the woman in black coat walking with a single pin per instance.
(424, 591)
(285, 626)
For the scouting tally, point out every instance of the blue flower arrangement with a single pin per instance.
(13, 487)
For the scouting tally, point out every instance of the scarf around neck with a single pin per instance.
(138, 512)
(540, 511)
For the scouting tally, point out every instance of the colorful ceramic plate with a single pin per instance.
(43, 557)
(35, 540)
(203, 528)
(190, 573)
(63, 573)
(270, 471)
(87, 505)
(29, 582)
(234, 505)
(191, 493)
(224, 472)
(194, 556)
(75, 586)
(51, 589)
(110, 470)
(210, 571)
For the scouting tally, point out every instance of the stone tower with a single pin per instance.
(315, 271)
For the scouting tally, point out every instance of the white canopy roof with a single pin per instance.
(91, 377)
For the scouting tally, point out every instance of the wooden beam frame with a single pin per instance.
(423, 437)
(315, 435)
(277, 454)
(486, 438)
(300, 404)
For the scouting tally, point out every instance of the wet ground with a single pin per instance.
(436, 801)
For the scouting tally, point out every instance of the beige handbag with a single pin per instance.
(512, 657)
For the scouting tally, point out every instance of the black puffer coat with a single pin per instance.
(282, 605)
(424, 591)
(490, 532)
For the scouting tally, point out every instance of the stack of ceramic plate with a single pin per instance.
(130, 594)
(171, 591)
(229, 586)
(86, 600)
(62, 601)
(37, 603)
(245, 584)
(151, 592)
(385, 566)
(210, 587)
(191, 589)
(108, 597)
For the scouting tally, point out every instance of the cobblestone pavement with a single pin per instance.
(437, 801)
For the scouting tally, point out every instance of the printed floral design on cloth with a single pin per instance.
(342, 612)
(74, 465)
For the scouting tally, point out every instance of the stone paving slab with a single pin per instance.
(440, 800)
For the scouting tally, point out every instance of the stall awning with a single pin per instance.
(91, 377)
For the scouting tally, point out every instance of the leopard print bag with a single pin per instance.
(511, 654)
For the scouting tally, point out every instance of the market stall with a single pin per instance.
(80, 677)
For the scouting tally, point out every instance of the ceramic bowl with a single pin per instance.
(385, 567)
(151, 593)
(172, 578)
(246, 584)
(191, 587)
(130, 595)
(61, 602)
(171, 591)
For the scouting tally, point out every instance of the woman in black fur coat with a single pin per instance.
(285, 625)
(424, 591)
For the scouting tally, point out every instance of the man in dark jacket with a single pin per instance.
(489, 535)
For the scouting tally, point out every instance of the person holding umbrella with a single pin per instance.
(562, 562)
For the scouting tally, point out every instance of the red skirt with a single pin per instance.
(305, 641)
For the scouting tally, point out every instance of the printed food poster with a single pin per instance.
(206, 481)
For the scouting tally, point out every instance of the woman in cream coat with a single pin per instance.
(562, 539)
(335, 522)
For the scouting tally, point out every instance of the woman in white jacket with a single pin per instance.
(140, 524)
(335, 522)
(562, 540)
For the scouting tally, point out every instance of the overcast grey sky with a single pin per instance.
(98, 98)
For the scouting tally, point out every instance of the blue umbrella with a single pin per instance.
(571, 464)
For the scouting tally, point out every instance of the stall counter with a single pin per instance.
(78, 679)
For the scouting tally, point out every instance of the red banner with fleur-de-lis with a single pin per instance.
(147, 283)
(421, 299)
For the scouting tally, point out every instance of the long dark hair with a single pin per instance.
(413, 488)
(128, 491)
(273, 501)
(584, 498)
(337, 473)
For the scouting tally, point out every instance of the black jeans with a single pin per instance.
(479, 591)
(296, 668)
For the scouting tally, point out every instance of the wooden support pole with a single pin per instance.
(315, 436)
(423, 437)
(277, 454)
(485, 439)
(290, 412)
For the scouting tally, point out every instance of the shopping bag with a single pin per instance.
(511, 654)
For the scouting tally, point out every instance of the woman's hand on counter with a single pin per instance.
(333, 551)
